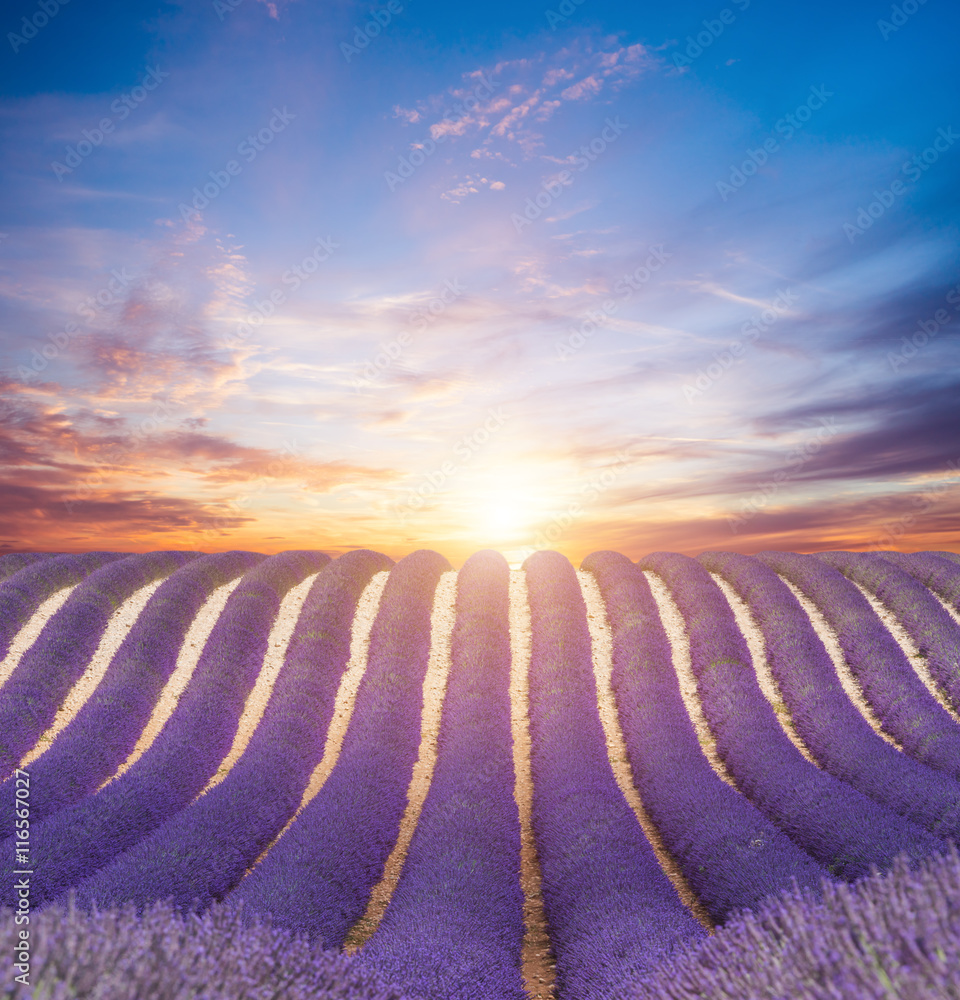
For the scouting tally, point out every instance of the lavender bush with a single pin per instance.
(454, 927)
(940, 575)
(80, 839)
(612, 912)
(906, 709)
(318, 877)
(202, 852)
(104, 732)
(114, 954)
(730, 853)
(889, 937)
(55, 662)
(841, 827)
(830, 725)
(13, 562)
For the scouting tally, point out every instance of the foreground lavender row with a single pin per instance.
(256, 744)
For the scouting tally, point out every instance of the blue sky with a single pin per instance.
(569, 276)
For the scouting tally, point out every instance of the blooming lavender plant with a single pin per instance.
(318, 877)
(104, 732)
(830, 725)
(56, 661)
(841, 827)
(22, 593)
(80, 839)
(731, 854)
(940, 575)
(933, 631)
(116, 954)
(906, 709)
(612, 912)
(889, 937)
(202, 852)
(454, 927)
(13, 562)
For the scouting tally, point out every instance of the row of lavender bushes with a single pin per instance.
(730, 853)
(906, 709)
(198, 855)
(55, 662)
(78, 840)
(612, 913)
(104, 732)
(319, 875)
(831, 727)
(841, 827)
(454, 926)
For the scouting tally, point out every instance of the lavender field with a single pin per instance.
(248, 776)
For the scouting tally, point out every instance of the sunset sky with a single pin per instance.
(579, 276)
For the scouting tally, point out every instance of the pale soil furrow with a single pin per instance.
(187, 659)
(538, 960)
(256, 704)
(949, 608)
(442, 620)
(910, 651)
(676, 630)
(848, 681)
(118, 625)
(601, 642)
(758, 654)
(367, 607)
(30, 632)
